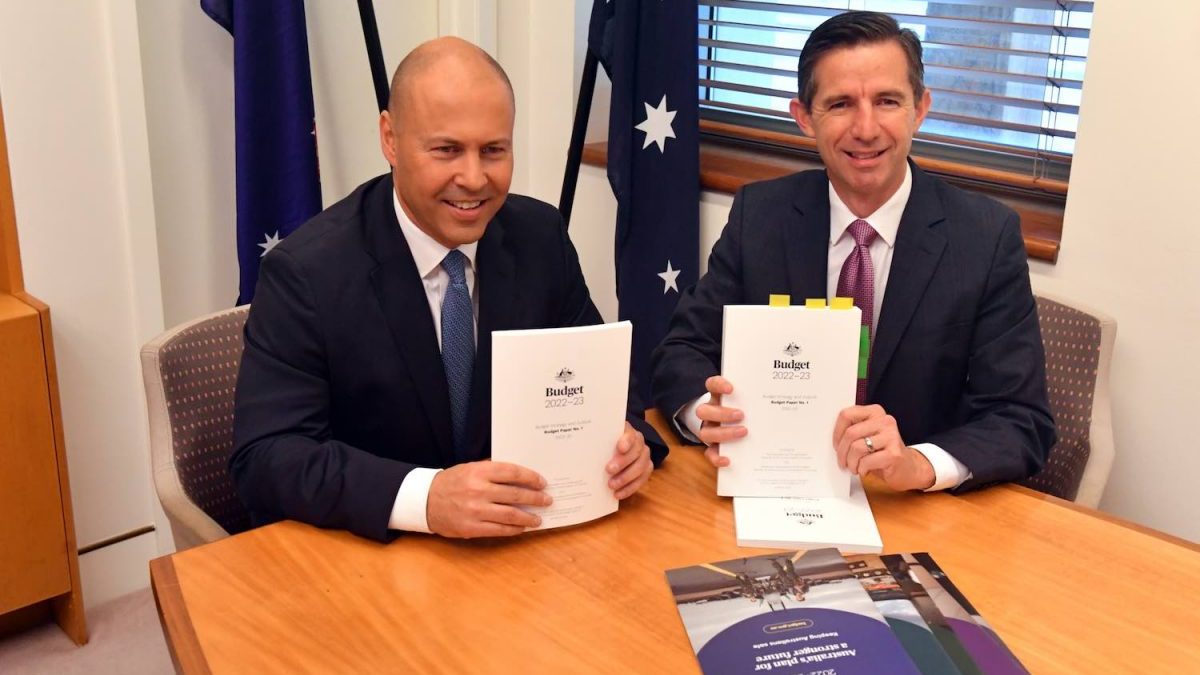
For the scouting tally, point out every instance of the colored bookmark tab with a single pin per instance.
(864, 350)
(841, 303)
(815, 303)
(779, 300)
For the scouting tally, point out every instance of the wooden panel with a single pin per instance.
(1067, 590)
(33, 552)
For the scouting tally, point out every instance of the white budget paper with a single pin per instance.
(558, 407)
(846, 523)
(792, 369)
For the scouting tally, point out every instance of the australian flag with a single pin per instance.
(649, 49)
(278, 187)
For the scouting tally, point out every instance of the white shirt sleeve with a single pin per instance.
(408, 512)
(948, 472)
(686, 421)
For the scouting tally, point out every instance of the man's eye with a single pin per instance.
(494, 150)
(445, 149)
(889, 102)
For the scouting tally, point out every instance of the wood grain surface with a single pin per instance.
(1067, 590)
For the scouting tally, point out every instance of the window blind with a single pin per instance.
(1005, 75)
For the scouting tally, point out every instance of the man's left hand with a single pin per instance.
(630, 465)
(886, 455)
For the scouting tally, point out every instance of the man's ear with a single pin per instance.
(803, 119)
(387, 137)
(922, 108)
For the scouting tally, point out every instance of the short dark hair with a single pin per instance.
(852, 29)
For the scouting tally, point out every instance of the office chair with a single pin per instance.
(1079, 347)
(190, 373)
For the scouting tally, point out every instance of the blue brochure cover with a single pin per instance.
(792, 612)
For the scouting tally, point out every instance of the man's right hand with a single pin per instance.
(481, 499)
(712, 418)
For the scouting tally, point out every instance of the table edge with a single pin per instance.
(176, 621)
(1105, 516)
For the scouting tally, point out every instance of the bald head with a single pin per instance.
(444, 57)
(447, 133)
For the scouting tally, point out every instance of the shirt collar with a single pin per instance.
(427, 252)
(885, 220)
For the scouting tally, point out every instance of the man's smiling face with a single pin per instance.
(449, 141)
(863, 116)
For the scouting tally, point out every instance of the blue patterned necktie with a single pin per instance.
(458, 345)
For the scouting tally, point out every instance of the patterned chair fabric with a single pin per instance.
(190, 373)
(1078, 346)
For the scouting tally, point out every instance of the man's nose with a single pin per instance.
(471, 175)
(866, 122)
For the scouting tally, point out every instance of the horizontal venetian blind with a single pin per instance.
(1006, 76)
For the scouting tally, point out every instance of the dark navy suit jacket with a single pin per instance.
(957, 356)
(341, 390)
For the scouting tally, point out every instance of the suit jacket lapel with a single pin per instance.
(807, 242)
(495, 284)
(918, 250)
(405, 307)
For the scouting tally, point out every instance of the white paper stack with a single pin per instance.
(558, 407)
(793, 369)
(808, 522)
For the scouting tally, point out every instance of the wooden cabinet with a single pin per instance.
(39, 564)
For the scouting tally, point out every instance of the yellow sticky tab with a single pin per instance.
(842, 303)
(815, 303)
(780, 300)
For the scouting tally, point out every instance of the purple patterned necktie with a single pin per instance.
(858, 281)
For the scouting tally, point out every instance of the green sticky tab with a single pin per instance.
(864, 350)
(815, 303)
(841, 303)
(779, 300)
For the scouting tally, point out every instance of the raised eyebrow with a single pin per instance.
(898, 94)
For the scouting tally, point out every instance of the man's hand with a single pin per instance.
(712, 415)
(481, 499)
(900, 466)
(630, 465)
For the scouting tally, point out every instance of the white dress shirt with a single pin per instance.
(948, 471)
(408, 511)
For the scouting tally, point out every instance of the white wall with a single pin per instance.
(1129, 247)
(71, 86)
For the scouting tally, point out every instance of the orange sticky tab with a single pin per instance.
(779, 300)
(815, 303)
(842, 303)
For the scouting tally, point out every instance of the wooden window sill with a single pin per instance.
(725, 169)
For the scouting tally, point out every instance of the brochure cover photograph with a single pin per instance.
(794, 612)
(902, 614)
(981, 642)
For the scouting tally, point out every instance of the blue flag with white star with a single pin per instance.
(649, 49)
(278, 187)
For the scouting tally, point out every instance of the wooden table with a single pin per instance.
(1069, 589)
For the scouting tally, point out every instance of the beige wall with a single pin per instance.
(1130, 247)
(71, 87)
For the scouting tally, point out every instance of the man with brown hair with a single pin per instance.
(940, 274)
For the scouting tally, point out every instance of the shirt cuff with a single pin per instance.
(948, 472)
(686, 421)
(408, 513)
